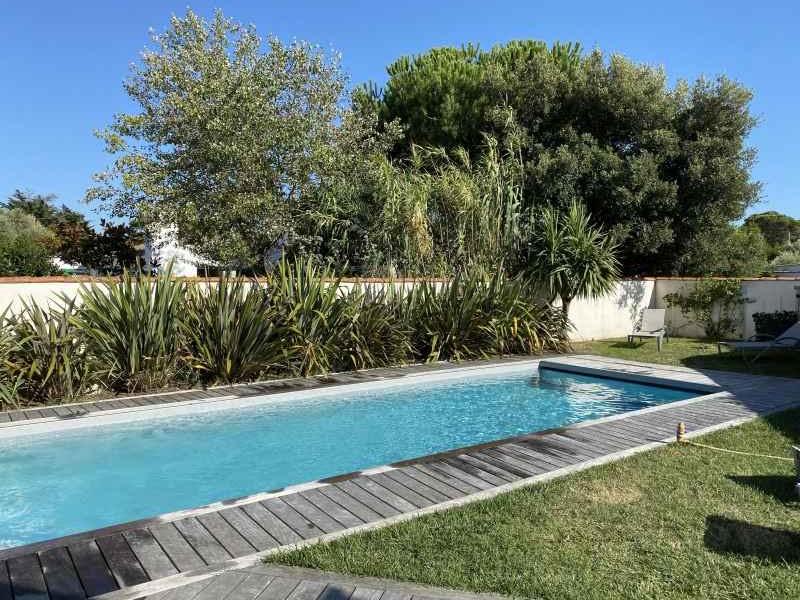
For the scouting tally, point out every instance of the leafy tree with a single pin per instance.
(114, 249)
(26, 246)
(71, 229)
(736, 252)
(665, 169)
(789, 255)
(569, 257)
(778, 229)
(236, 141)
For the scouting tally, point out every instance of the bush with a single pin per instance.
(132, 330)
(229, 331)
(774, 323)
(715, 304)
(26, 246)
(48, 357)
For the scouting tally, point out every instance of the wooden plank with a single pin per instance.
(403, 478)
(122, 561)
(202, 541)
(359, 509)
(321, 501)
(187, 592)
(27, 579)
(517, 468)
(152, 557)
(462, 486)
(304, 528)
(92, 569)
(321, 519)
(366, 593)
(506, 472)
(227, 536)
(399, 489)
(248, 529)
(5, 583)
(271, 524)
(482, 475)
(360, 494)
(221, 585)
(524, 452)
(307, 590)
(250, 587)
(337, 591)
(395, 595)
(60, 576)
(530, 461)
(424, 478)
(456, 473)
(397, 502)
(182, 555)
(278, 589)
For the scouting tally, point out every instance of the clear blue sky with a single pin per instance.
(62, 63)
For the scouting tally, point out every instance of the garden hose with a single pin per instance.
(680, 437)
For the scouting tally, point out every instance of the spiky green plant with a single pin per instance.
(48, 353)
(371, 333)
(132, 329)
(571, 258)
(11, 379)
(229, 330)
(309, 312)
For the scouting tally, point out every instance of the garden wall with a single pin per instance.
(611, 316)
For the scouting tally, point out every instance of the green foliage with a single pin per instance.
(774, 323)
(235, 140)
(714, 304)
(229, 331)
(132, 330)
(48, 353)
(734, 252)
(474, 315)
(779, 230)
(789, 255)
(26, 246)
(10, 378)
(569, 257)
(665, 170)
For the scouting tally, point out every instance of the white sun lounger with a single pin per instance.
(652, 326)
(788, 340)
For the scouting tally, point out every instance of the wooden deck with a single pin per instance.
(151, 556)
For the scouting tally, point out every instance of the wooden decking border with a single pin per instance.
(152, 556)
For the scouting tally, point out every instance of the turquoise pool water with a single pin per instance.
(59, 483)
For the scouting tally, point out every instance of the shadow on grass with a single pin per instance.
(627, 345)
(728, 536)
(780, 487)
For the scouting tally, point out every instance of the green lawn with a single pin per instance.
(678, 522)
(698, 354)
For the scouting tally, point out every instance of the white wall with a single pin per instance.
(609, 317)
(613, 315)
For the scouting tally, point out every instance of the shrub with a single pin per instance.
(132, 330)
(10, 378)
(229, 331)
(48, 359)
(774, 323)
(26, 246)
(715, 304)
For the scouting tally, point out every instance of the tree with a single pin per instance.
(569, 257)
(778, 229)
(114, 249)
(26, 246)
(665, 169)
(70, 228)
(235, 140)
(735, 252)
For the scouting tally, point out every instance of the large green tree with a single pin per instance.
(778, 229)
(665, 169)
(236, 140)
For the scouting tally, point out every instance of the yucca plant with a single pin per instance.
(309, 312)
(132, 329)
(47, 356)
(229, 331)
(372, 332)
(11, 379)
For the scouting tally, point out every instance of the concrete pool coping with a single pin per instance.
(479, 471)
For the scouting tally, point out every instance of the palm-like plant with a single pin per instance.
(569, 257)
(229, 330)
(132, 329)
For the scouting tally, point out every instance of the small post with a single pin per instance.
(797, 469)
(680, 433)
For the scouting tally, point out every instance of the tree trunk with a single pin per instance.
(565, 302)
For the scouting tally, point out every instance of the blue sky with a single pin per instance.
(62, 63)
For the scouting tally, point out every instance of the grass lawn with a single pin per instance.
(677, 522)
(697, 354)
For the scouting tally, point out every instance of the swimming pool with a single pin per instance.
(62, 482)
